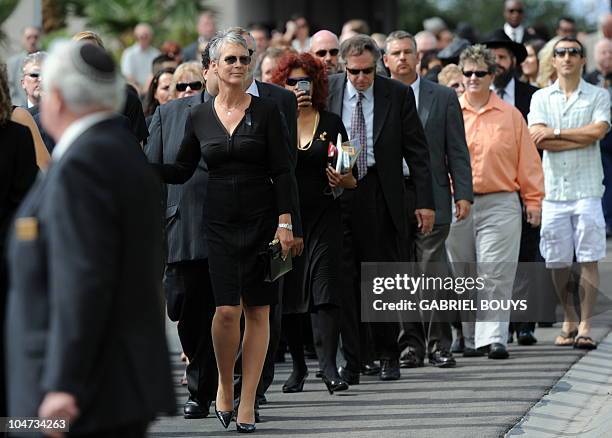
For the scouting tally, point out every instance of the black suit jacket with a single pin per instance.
(522, 96)
(17, 173)
(397, 134)
(442, 121)
(85, 306)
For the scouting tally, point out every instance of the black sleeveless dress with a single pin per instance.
(315, 275)
(250, 183)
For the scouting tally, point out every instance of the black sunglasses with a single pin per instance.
(518, 11)
(478, 73)
(182, 86)
(244, 60)
(356, 71)
(33, 75)
(322, 53)
(572, 51)
(293, 81)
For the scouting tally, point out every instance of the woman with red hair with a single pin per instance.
(314, 284)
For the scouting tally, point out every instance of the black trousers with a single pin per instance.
(194, 325)
(370, 236)
(3, 296)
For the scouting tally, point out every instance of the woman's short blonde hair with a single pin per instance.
(188, 68)
(448, 73)
(478, 54)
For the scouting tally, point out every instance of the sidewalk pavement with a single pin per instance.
(531, 394)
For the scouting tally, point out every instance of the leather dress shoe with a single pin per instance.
(335, 384)
(474, 352)
(350, 377)
(195, 409)
(370, 369)
(498, 351)
(410, 360)
(442, 359)
(389, 370)
(526, 337)
(295, 382)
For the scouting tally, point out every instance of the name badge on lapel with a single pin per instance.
(26, 228)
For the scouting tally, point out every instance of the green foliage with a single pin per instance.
(171, 19)
(6, 9)
(484, 15)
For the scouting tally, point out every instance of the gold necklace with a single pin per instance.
(314, 130)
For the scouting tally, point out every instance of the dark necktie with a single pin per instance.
(359, 135)
(500, 92)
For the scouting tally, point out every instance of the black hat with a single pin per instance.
(499, 39)
(95, 62)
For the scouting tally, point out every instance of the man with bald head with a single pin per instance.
(137, 60)
(514, 11)
(30, 42)
(324, 46)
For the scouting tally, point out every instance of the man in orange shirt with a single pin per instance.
(504, 161)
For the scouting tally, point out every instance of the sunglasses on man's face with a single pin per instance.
(515, 11)
(182, 86)
(33, 75)
(572, 51)
(477, 73)
(244, 60)
(292, 82)
(356, 71)
(323, 53)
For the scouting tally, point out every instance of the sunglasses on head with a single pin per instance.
(356, 71)
(572, 51)
(478, 73)
(33, 75)
(244, 60)
(293, 81)
(182, 86)
(323, 53)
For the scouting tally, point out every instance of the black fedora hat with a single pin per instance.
(499, 38)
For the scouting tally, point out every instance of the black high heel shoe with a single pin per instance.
(245, 427)
(295, 383)
(335, 385)
(225, 417)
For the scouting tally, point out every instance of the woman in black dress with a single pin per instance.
(250, 200)
(313, 285)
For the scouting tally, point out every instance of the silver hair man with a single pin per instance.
(358, 44)
(80, 86)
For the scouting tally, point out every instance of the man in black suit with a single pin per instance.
(514, 12)
(86, 339)
(186, 277)
(442, 119)
(380, 114)
(508, 55)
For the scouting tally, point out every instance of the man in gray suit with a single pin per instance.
(442, 120)
(86, 339)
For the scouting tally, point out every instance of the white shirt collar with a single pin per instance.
(75, 130)
(352, 91)
(253, 90)
(518, 31)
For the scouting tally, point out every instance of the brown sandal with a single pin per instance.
(566, 339)
(584, 343)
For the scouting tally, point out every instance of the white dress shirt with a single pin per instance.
(508, 92)
(367, 106)
(75, 130)
(253, 90)
(516, 34)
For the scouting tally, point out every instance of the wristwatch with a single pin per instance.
(286, 226)
(557, 132)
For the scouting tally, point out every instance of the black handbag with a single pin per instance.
(276, 265)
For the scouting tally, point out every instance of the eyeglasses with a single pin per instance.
(244, 60)
(571, 51)
(478, 73)
(356, 71)
(293, 81)
(323, 53)
(182, 86)
(33, 75)
(515, 11)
